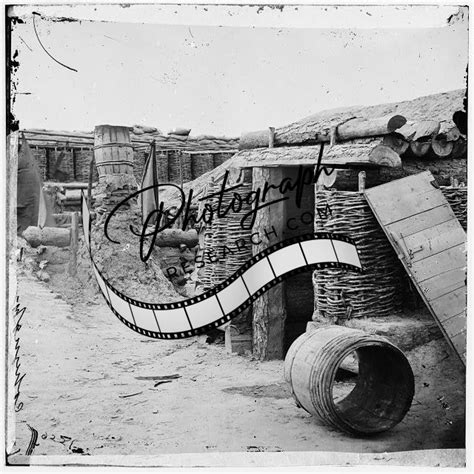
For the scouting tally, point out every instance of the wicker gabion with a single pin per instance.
(342, 294)
(457, 198)
(222, 234)
(179, 167)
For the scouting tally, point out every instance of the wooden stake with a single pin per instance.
(74, 163)
(271, 137)
(74, 244)
(89, 187)
(362, 176)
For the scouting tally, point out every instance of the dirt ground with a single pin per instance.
(88, 390)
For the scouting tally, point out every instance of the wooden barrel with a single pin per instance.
(113, 150)
(383, 389)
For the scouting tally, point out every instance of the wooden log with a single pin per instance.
(382, 155)
(56, 236)
(339, 156)
(72, 268)
(73, 194)
(453, 134)
(416, 130)
(396, 142)
(176, 238)
(75, 185)
(459, 148)
(420, 147)
(269, 310)
(307, 132)
(440, 146)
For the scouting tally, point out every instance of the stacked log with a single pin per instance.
(430, 138)
(307, 132)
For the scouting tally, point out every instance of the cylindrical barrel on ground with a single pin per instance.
(383, 390)
(113, 150)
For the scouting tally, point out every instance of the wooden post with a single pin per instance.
(74, 163)
(271, 137)
(48, 164)
(362, 176)
(89, 187)
(74, 244)
(269, 310)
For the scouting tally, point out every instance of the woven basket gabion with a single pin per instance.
(224, 233)
(457, 198)
(382, 287)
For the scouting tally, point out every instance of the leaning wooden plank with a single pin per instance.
(434, 257)
(455, 324)
(440, 285)
(407, 196)
(452, 259)
(435, 239)
(450, 304)
(424, 220)
(459, 343)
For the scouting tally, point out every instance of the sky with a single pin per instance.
(226, 70)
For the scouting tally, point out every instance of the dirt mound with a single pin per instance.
(119, 262)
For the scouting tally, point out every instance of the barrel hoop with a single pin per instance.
(115, 162)
(304, 342)
(347, 343)
(114, 144)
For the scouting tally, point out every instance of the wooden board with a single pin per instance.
(431, 244)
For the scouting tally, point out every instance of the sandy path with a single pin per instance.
(81, 361)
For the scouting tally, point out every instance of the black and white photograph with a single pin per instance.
(236, 235)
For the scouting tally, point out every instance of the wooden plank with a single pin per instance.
(459, 343)
(405, 197)
(450, 304)
(422, 221)
(452, 259)
(439, 285)
(434, 240)
(433, 249)
(455, 324)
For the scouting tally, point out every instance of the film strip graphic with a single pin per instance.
(225, 301)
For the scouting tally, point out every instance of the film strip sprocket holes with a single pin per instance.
(225, 301)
